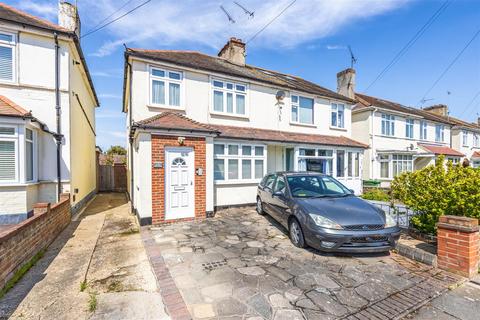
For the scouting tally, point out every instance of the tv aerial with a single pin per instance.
(247, 12)
(230, 19)
(353, 60)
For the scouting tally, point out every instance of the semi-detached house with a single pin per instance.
(204, 130)
(47, 113)
(403, 138)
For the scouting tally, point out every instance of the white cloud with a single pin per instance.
(46, 10)
(113, 73)
(108, 114)
(167, 23)
(109, 96)
(335, 47)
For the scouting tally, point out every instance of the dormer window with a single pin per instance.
(166, 88)
(7, 56)
(229, 97)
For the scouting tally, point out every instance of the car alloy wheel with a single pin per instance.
(260, 206)
(296, 234)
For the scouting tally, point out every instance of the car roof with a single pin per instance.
(299, 173)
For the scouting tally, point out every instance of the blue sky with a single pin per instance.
(308, 40)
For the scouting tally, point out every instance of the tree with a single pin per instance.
(117, 150)
(439, 190)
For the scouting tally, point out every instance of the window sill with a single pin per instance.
(232, 182)
(303, 124)
(164, 106)
(229, 115)
(18, 184)
(337, 128)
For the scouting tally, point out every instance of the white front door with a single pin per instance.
(179, 183)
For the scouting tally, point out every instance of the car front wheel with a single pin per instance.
(260, 206)
(296, 234)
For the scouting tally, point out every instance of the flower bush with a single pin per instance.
(437, 190)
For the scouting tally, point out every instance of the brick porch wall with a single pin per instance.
(158, 176)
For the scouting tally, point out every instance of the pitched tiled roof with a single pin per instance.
(364, 101)
(11, 109)
(476, 154)
(176, 121)
(197, 60)
(12, 14)
(439, 150)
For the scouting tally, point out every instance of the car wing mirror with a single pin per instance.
(352, 191)
(278, 194)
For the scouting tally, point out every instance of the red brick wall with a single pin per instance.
(21, 242)
(158, 176)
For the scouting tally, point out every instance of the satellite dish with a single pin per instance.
(280, 95)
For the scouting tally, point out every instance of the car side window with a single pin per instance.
(269, 182)
(280, 186)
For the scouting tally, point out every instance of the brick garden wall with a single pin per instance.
(158, 176)
(21, 242)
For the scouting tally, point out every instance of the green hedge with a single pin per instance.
(376, 194)
(437, 190)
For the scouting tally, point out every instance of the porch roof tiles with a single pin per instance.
(175, 121)
(476, 154)
(441, 150)
(11, 109)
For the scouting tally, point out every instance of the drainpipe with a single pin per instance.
(58, 136)
(372, 157)
(130, 123)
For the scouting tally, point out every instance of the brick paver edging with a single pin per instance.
(172, 299)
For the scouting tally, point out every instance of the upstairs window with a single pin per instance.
(388, 125)
(423, 130)
(409, 128)
(439, 133)
(338, 115)
(302, 110)
(7, 57)
(465, 138)
(229, 97)
(166, 87)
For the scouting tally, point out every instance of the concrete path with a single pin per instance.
(240, 265)
(96, 269)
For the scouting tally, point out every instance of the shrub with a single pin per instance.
(376, 194)
(437, 190)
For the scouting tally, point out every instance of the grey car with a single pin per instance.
(320, 212)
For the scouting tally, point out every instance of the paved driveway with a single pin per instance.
(240, 265)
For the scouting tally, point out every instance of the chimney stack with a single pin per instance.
(346, 83)
(439, 109)
(478, 121)
(234, 51)
(68, 17)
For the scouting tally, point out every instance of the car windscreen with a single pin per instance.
(316, 186)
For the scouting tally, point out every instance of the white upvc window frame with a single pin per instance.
(476, 140)
(465, 138)
(384, 159)
(296, 105)
(13, 45)
(239, 157)
(33, 141)
(229, 87)
(15, 139)
(423, 130)
(166, 80)
(387, 125)
(337, 109)
(409, 128)
(439, 133)
(392, 160)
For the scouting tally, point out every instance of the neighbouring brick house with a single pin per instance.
(205, 129)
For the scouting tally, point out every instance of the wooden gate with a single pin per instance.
(112, 177)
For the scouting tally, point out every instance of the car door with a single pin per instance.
(266, 193)
(279, 202)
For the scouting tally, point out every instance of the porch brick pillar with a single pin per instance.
(458, 245)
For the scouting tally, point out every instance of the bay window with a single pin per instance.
(320, 160)
(384, 166)
(401, 163)
(229, 97)
(340, 163)
(338, 115)
(238, 162)
(7, 56)
(165, 87)
(302, 109)
(29, 155)
(388, 125)
(8, 154)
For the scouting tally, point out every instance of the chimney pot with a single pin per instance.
(68, 17)
(234, 51)
(346, 83)
(439, 109)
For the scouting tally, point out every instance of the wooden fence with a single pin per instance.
(112, 178)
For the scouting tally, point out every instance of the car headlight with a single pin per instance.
(390, 220)
(324, 222)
